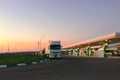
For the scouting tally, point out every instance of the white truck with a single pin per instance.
(53, 49)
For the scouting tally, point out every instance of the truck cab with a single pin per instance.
(53, 49)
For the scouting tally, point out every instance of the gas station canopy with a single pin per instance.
(113, 38)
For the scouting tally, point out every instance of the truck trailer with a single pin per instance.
(53, 49)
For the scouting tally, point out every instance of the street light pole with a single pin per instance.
(41, 44)
(1, 49)
(8, 48)
(38, 43)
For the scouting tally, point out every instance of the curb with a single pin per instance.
(3, 66)
(34, 62)
(24, 64)
(21, 64)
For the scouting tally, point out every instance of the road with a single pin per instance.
(69, 68)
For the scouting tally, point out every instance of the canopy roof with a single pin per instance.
(111, 38)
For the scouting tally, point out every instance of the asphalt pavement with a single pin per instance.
(68, 68)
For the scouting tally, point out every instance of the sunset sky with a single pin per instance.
(24, 22)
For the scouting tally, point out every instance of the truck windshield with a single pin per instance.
(55, 47)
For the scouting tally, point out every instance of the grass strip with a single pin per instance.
(13, 59)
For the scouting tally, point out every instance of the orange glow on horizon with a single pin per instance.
(20, 46)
